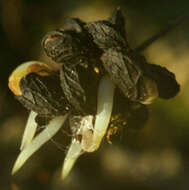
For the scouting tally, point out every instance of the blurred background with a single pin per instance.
(156, 157)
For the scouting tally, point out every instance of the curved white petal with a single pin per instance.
(50, 130)
(29, 131)
(72, 155)
(104, 111)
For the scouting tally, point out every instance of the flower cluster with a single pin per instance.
(98, 72)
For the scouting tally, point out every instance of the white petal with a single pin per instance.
(72, 155)
(50, 130)
(29, 131)
(77, 148)
(104, 111)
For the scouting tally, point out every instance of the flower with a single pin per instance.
(97, 52)
(91, 136)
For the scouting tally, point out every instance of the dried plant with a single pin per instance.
(98, 72)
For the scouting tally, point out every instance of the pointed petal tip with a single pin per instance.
(29, 131)
(67, 167)
(72, 155)
(65, 172)
(14, 170)
(17, 165)
(50, 130)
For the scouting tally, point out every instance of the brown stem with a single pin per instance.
(163, 32)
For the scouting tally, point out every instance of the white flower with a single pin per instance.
(91, 136)
(104, 111)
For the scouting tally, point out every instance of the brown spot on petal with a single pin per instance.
(14, 86)
(42, 70)
(23, 70)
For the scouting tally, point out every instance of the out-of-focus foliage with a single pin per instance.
(155, 157)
